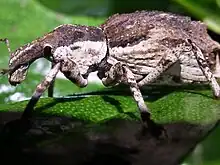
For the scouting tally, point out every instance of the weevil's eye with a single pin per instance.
(18, 75)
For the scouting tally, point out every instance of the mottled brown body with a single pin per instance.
(142, 39)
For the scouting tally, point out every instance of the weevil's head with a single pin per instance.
(85, 46)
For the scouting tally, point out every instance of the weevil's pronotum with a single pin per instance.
(135, 49)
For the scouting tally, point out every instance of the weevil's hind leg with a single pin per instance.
(166, 62)
(51, 87)
(206, 70)
(22, 124)
(122, 74)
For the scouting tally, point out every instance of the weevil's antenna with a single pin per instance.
(3, 72)
(6, 41)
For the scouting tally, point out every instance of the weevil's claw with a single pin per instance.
(156, 130)
(17, 127)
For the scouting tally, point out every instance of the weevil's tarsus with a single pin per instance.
(157, 130)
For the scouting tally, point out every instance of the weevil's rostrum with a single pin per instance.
(134, 49)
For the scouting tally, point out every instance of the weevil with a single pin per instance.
(135, 49)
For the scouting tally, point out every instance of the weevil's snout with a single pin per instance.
(19, 75)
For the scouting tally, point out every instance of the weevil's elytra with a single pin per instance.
(134, 49)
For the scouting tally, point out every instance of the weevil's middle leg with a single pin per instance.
(206, 70)
(120, 73)
(40, 90)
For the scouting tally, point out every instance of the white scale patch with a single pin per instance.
(86, 53)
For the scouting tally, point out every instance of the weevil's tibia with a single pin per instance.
(6, 41)
(40, 90)
(206, 70)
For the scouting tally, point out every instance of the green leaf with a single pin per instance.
(167, 104)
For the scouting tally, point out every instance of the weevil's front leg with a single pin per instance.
(120, 73)
(206, 70)
(114, 76)
(40, 90)
(72, 72)
(23, 124)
